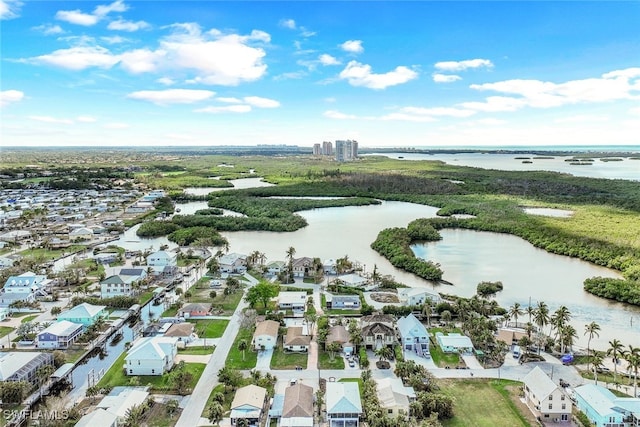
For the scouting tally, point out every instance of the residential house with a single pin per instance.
(413, 335)
(59, 335)
(4, 313)
(114, 286)
(121, 399)
(106, 257)
(82, 233)
(98, 418)
(233, 263)
(298, 406)
(378, 330)
(417, 296)
(23, 365)
(276, 267)
(25, 287)
(339, 334)
(184, 332)
(133, 274)
(155, 329)
(342, 302)
(265, 336)
(249, 403)
(545, 398)
(394, 397)
(454, 343)
(343, 404)
(196, 309)
(162, 258)
(605, 409)
(295, 340)
(294, 301)
(85, 314)
(6, 262)
(330, 266)
(151, 356)
(303, 267)
(353, 280)
(510, 336)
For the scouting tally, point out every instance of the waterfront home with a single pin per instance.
(413, 335)
(23, 365)
(303, 267)
(106, 257)
(249, 403)
(417, 296)
(121, 399)
(298, 406)
(330, 266)
(454, 343)
(339, 334)
(116, 285)
(294, 301)
(151, 356)
(394, 397)
(85, 314)
(544, 398)
(344, 407)
(276, 267)
(233, 263)
(98, 418)
(184, 332)
(295, 340)
(59, 335)
(133, 274)
(195, 309)
(510, 336)
(605, 409)
(342, 302)
(265, 336)
(82, 233)
(353, 280)
(27, 283)
(162, 258)
(378, 330)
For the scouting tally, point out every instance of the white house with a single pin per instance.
(394, 397)
(266, 335)
(454, 343)
(276, 267)
(116, 285)
(151, 356)
(330, 266)
(544, 398)
(295, 340)
(413, 335)
(162, 258)
(294, 301)
(417, 296)
(353, 280)
(233, 263)
(121, 399)
(343, 404)
(82, 233)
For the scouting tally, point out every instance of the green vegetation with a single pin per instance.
(286, 360)
(325, 361)
(210, 328)
(28, 318)
(5, 330)
(197, 350)
(236, 359)
(483, 403)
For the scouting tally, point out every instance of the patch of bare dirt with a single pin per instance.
(384, 298)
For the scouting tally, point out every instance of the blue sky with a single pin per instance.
(384, 73)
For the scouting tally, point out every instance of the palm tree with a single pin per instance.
(541, 315)
(616, 351)
(559, 320)
(514, 311)
(215, 412)
(291, 252)
(384, 353)
(632, 356)
(530, 311)
(427, 311)
(242, 346)
(591, 329)
(597, 359)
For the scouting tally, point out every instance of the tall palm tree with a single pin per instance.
(514, 311)
(593, 330)
(242, 346)
(616, 350)
(216, 411)
(632, 356)
(559, 320)
(530, 311)
(597, 359)
(291, 252)
(384, 353)
(541, 315)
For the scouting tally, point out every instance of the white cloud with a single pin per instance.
(86, 119)
(49, 119)
(438, 111)
(116, 125)
(166, 81)
(230, 100)
(635, 111)
(490, 122)
(294, 75)
(114, 39)
(333, 114)
(352, 46)
(79, 58)
(407, 118)
(141, 60)
(171, 96)
(494, 104)
(463, 65)
(259, 102)
(360, 75)
(49, 29)
(228, 109)
(445, 78)
(288, 23)
(582, 118)
(10, 9)
(88, 19)
(326, 59)
(130, 26)
(8, 97)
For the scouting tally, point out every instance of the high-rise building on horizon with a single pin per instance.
(327, 148)
(317, 150)
(346, 150)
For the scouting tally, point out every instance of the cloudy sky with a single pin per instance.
(384, 73)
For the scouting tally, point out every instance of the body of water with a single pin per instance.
(625, 169)
(238, 184)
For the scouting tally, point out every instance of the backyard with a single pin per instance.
(210, 328)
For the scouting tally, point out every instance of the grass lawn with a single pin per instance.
(144, 297)
(228, 303)
(158, 416)
(210, 328)
(226, 405)
(234, 359)
(197, 350)
(51, 254)
(443, 359)
(171, 312)
(325, 362)
(284, 360)
(5, 330)
(484, 403)
(115, 376)
(29, 318)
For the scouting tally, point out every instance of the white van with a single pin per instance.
(516, 351)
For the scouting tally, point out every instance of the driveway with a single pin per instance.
(264, 360)
(472, 362)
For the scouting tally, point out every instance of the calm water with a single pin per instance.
(625, 169)
(469, 257)
(238, 184)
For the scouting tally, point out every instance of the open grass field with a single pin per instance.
(234, 359)
(28, 318)
(197, 350)
(481, 403)
(284, 360)
(210, 328)
(5, 330)
(325, 362)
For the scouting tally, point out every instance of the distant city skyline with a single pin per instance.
(408, 74)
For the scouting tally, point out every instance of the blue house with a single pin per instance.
(85, 314)
(604, 409)
(346, 302)
(413, 335)
(59, 335)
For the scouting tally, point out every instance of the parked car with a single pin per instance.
(352, 363)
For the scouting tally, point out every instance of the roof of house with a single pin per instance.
(61, 328)
(343, 398)
(298, 401)
(338, 333)
(115, 279)
(392, 392)
(251, 395)
(409, 292)
(599, 398)
(180, 330)
(196, 307)
(352, 279)
(230, 258)
(132, 272)
(13, 361)
(411, 326)
(98, 418)
(539, 383)
(162, 254)
(289, 297)
(508, 335)
(341, 298)
(302, 262)
(377, 318)
(454, 340)
(151, 348)
(267, 327)
(120, 399)
(83, 310)
(294, 336)
(377, 328)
